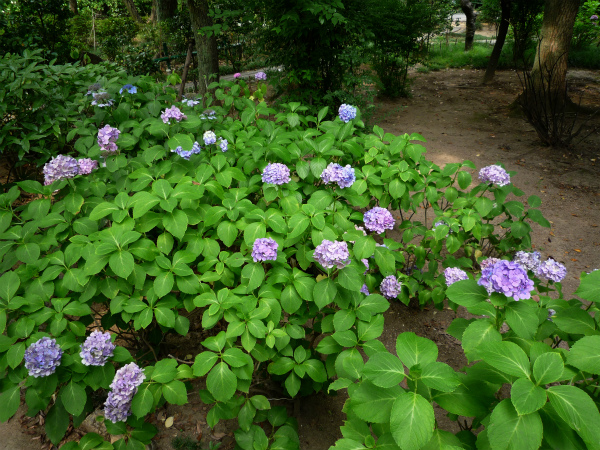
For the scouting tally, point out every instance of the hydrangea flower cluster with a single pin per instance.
(209, 137)
(236, 75)
(209, 114)
(366, 263)
(390, 287)
(86, 165)
(107, 138)
(94, 88)
(494, 174)
(439, 223)
(343, 176)
(593, 17)
(454, 274)
(59, 168)
(190, 102)
(96, 349)
(378, 220)
(172, 113)
(347, 112)
(487, 267)
(260, 76)
(186, 154)
(43, 357)
(528, 260)
(130, 88)
(552, 270)
(223, 145)
(365, 289)
(330, 254)
(508, 278)
(124, 386)
(276, 173)
(101, 99)
(264, 249)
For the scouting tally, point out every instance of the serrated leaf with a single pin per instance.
(526, 397)
(73, 398)
(439, 376)
(507, 357)
(413, 349)
(412, 421)
(384, 370)
(585, 354)
(372, 403)
(221, 382)
(548, 368)
(175, 392)
(508, 430)
(578, 410)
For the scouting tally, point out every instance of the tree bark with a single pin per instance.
(165, 9)
(467, 9)
(500, 38)
(133, 10)
(206, 47)
(73, 6)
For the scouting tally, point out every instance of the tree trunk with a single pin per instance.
(153, 12)
(186, 68)
(133, 10)
(73, 6)
(467, 9)
(500, 38)
(165, 9)
(206, 47)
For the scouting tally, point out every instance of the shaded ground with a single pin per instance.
(461, 119)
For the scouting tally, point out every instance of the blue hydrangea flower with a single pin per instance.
(43, 357)
(209, 137)
(124, 386)
(332, 253)
(276, 173)
(223, 145)
(209, 114)
(264, 249)
(347, 112)
(390, 287)
(487, 267)
(494, 174)
(528, 260)
(552, 270)
(260, 76)
(129, 88)
(101, 99)
(365, 289)
(454, 274)
(508, 278)
(343, 176)
(59, 168)
(378, 220)
(107, 138)
(96, 349)
(186, 154)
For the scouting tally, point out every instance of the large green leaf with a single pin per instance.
(413, 349)
(440, 376)
(57, 422)
(384, 370)
(526, 397)
(412, 421)
(204, 362)
(227, 232)
(574, 320)
(548, 368)
(589, 288)
(477, 333)
(9, 285)
(9, 403)
(578, 410)
(364, 247)
(221, 382)
(253, 275)
(175, 222)
(175, 392)
(510, 431)
(143, 400)
(373, 403)
(350, 279)
(73, 398)
(324, 292)
(466, 293)
(522, 318)
(585, 354)
(507, 357)
(121, 262)
(180, 140)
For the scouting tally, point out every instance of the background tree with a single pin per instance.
(206, 44)
(133, 11)
(500, 38)
(469, 11)
(73, 6)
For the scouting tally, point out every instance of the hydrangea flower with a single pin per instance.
(107, 138)
(94, 88)
(264, 249)
(101, 99)
(60, 168)
(86, 165)
(551, 313)
(186, 154)
(43, 357)
(440, 223)
(96, 349)
(487, 266)
(552, 270)
(390, 287)
(124, 386)
(594, 17)
(260, 76)
(330, 254)
(129, 88)
(209, 114)
(508, 278)
(276, 173)
(365, 290)
(454, 274)
(172, 113)
(190, 102)
(366, 263)
(223, 145)
(528, 260)
(347, 113)
(209, 137)
(378, 220)
(494, 174)
(236, 75)
(343, 176)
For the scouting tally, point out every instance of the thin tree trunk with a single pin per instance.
(133, 10)
(153, 13)
(73, 6)
(186, 67)
(206, 47)
(500, 38)
(467, 9)
(165, 9)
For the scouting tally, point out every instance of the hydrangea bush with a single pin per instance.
(252, 242)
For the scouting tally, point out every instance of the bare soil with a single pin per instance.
(461, 119)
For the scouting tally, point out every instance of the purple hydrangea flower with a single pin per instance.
(264, 249)
(43, 357)
(124, 386)
(594, 17)
(260, 76)
(190, 102)
(454, 274)
(236, 75)
(487, 265)
(129, 88)
(343, 176)
(86, 165)
(330, 254)
(59, 168)
(365, 290)
(551, 313)
(390, 287)
(378, 219)
(172, 113)
(552, 270)
(186, 154)
(209, 114)
(223, 145)
(94, 88)
(209, 137)
(347, 113)
(366, 263)
(96, 349)
(107, 138)
(276, 173)
(101, 99)
(508, 278)
(494, 174)
(528, 260)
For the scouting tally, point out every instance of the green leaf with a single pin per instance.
(526, 397)
(549, 367)
(385, 261)
(440, 376)
(297, 224)
(9, 285)
(227, 232)
(578, 410)
(344, 319)
(292, 384)
(324, 292)
(175, 222)
(585, 354)
(175, 392)
(507, 357)
(290, 300)
(412, 421)
(221, 382)
(254, 231)
(253, 274)
(464, 179)
(466, 293)
(364, 247)
(103, 210)
(142, 401)
(57, 422)
(508, 430)
(121, 262)
(574, 320)
(477, 333)
(522, 318)
(413, 349)
(204, 362)
(350, 279)
(397, 188)
(589, 288)
(163, 284)
(28, 253)
(9, 403)
(73, 202)
(315, 369)
(180, 140)
(384, 370)
(372, 403)
(73, 398)
(165, 316)
(164, 371)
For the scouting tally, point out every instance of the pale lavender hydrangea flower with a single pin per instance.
(209, 114)
(347, 113)
(107, 138)
(378, 220)
(366, 263)
(260, 76)
(86, 165)
(264, 249)
(96, 349)
(487, 266)
(552, 270)
(190, 102)
(551, 313)
(330, 254)
(343, 176)
(510, 279)
(209, 137)
(528, 260)
(124, 386)
(129, 88)
(43, 357)
(494, 174)
(594, 17)
(276, 173)
(172, 113)
(102, 99)
(454, 274)
(60, 168)
(390, 287)
(223, 145)
(186, 154)
(365, 290)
